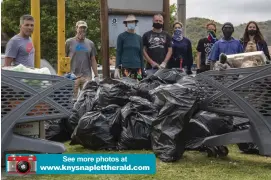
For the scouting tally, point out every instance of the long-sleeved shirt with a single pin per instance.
(227, 47)
(129, 51)
(181, 49)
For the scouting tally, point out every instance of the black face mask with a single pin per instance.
(227, 34)
(157, 25)
(252, 32)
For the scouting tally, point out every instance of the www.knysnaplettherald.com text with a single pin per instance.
(95, 168)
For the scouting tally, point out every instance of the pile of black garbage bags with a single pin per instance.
(159, 113)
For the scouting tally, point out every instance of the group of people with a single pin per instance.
(156, 49)
(161, 50)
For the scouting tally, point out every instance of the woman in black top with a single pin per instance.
(253, 34)
(181, 50)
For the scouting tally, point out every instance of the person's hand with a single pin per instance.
(221, 67)
(117, 74)
(155, 65)
(163, 65)
(97, 79)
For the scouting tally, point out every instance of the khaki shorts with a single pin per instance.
(78, 85)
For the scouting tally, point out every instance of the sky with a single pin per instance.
(234, 11)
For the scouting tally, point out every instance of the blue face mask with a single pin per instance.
(131, 26)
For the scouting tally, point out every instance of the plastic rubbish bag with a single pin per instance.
(99, 129)
(114, 92)
(170, 76)
(137, 117)
(56, 131)
(83, 104)
(176, 104)
(148, 84)
(205, 124)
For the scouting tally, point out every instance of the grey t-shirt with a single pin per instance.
(22, 50)
(80, 54)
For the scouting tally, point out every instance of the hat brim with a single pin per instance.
(82, 26)
(130, 21)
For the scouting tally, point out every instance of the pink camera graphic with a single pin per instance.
(21, 164)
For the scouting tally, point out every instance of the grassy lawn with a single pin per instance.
(193, 166)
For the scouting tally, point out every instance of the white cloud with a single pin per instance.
(235, 11)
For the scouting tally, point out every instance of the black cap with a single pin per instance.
(227, 23)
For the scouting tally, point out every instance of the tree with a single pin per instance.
(75, 10)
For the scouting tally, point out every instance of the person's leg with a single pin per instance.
(76, 88)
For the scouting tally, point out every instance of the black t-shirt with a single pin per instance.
(157, 45)
(204, 46)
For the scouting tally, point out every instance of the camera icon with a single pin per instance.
(21, 164)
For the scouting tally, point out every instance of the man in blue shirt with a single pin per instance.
(227, 45)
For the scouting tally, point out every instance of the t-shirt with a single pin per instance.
(80, 53)
(129, 51)
(205, 47)
(157, 45)
(229, 47)
(22, 50)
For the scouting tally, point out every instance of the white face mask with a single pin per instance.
(131, 26)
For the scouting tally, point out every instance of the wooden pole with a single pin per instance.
(166, 10)
(104, 37)
(60, 34)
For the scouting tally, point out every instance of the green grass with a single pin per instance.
(193, 166)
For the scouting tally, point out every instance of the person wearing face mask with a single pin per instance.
(226, 45)
(253, 35)
(181, 50)
(20, 49)
(82, 53)
(204, 48)
(157, 46)
(129, 51)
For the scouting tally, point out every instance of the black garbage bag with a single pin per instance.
(84, 104)
(99, 130)
(176, 104)
(57, 130)
(170, 76)
(205, 124)
(137, 117)
(148, 84)
(114, 92)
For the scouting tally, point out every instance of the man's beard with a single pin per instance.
(81, 35)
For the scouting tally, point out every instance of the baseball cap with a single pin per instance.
(81, 23)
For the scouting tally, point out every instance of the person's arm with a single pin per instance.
(190, 53)
(119, 51)
(67, 48)
(214, 54)
(141, 52)
(146, 56)
(169, 52)
(199, 49)
(266, 51)
(240, 48)
(93, 60)
(12, 49)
